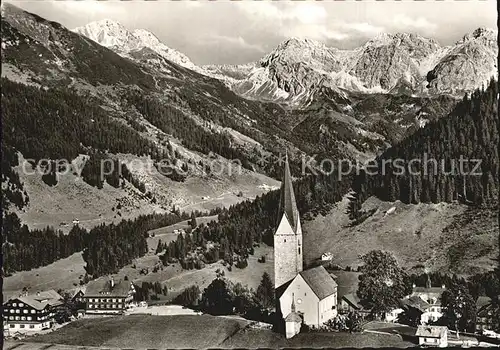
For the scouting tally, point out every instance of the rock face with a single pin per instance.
(467, 65)
(389, 63)
(401, 63)
(116, 37)
(389, 59)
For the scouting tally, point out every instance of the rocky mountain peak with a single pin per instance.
(480, 33)
(117, 37)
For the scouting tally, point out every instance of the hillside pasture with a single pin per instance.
(62, 274)
(146, 331)
(423, 235)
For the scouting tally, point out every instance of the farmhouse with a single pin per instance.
(31, 313)
(432, 296)
(313, 292)
(432, 336)
(485, 314)
(107, 297)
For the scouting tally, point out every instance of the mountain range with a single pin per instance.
(103, 91)
(297, 68)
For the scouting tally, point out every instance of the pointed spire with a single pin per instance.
(293, 303)
(428, 283)
(288, 204)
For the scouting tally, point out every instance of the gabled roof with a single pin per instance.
(41, 300)
(320, 281)
(426, 290)
(431, 331)
(102, 287)
(288, 205)
(416, 302)
(353, 300)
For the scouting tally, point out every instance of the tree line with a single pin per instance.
(469, 132)
(246, 224)
(106, 248)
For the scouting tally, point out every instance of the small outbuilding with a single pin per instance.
(432, 336)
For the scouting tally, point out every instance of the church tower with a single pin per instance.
(288, 236)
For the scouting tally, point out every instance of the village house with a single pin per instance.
(327, 256)
(31, 313)
(393, 315)
(484, 315)
(432, 336)
(78, 296)
(312, 292)
(432, 310)
(108, 297)
(351, 303)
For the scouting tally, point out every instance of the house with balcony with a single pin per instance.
(105, 296)
(485, 314)
(31, 313)
(431, 307)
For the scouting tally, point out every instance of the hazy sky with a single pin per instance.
(221, 32)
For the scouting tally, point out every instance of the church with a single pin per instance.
(304, 296)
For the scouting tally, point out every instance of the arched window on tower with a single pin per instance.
(299, 250)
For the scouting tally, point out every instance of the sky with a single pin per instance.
(235, 32)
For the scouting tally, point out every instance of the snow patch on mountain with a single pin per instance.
(116, 37)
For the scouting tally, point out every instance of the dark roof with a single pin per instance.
(102, 286)
(482, 301)
(293, 317)
(77, 293)
(288, 206)
(353, 300)
(484, 306)
(431, 290)
(431, 331)
(416, 302)
(42, 299)
(320, 281)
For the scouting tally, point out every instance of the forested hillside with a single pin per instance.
(243, 225)
(106, 248)
(470, 130)
(469, 133)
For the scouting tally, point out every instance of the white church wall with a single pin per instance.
(292, 328)
(306, 302)
(328, 308)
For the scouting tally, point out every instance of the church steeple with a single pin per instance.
(288, 255)
(288, 206)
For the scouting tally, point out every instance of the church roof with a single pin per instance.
(320, 281)
(288, 205)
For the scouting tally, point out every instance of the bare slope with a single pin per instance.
(422, 235)
(72, 198)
